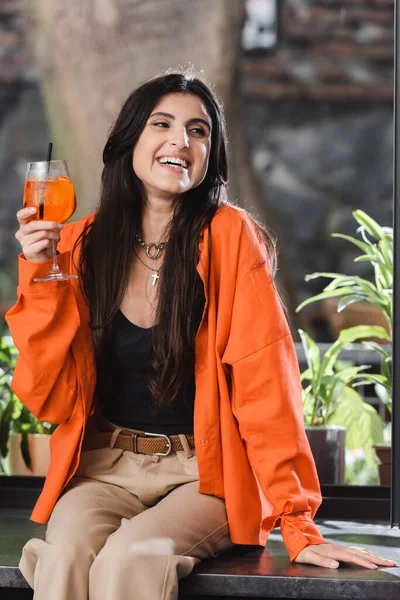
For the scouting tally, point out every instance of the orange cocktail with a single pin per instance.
(49, 189)
(54, 198)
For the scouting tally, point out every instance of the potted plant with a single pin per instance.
(24, 440)
(377, 249)
(333, 411)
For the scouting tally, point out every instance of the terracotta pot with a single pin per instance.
(384, 454)
(39, 448)
(328, 445)
(359, 313)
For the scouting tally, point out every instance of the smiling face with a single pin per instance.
(172, 153)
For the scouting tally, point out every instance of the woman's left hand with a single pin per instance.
(329, 555)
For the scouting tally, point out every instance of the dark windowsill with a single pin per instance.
(339, 501)
(356, 515)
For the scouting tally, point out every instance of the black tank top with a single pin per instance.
(129, 404)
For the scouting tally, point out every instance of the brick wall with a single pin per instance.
(327, 50)
(320, 127)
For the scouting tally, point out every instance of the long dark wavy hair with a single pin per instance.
(107, 244)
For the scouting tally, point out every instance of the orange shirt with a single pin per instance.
(250, 441)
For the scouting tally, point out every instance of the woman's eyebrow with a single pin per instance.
(199, 120)
(169, 116)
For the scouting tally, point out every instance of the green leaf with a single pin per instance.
(370, 378)
(324, 295)
(348, 300)
(358, 472)
(313, 356)
(340, 282)
(306, 375)
(308, 405)
(6, 358)
(370, 225)
(388, 231)
(378, 348)
(384, 395)
(316, 275)
(330, 357)
(367, 287)
(347, 375)
(365, 237)
(364, 427)
(365, 247)
(351, 334)
(387, 370)
(386, 248)
(18, 407)
(370, 258)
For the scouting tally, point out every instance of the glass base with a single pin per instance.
(55, 276)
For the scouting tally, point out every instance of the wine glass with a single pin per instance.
(49, 189)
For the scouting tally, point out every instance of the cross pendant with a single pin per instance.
(155, 276)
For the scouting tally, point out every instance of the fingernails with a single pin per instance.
(333, 564)
(59, 226)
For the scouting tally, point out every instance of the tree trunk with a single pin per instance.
(92, 54)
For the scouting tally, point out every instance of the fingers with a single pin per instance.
(332, 561)
(375, 558)
(34, 245)
(36, 236)
(313, 558)
(27, 226)
(330, 555)
(37, 248)
(25, 214)
(362, 557)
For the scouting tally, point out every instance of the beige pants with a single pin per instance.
(126, 526)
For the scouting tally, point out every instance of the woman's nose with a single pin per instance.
(180, 138)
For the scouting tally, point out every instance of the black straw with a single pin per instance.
(41, 203)
(49, 151)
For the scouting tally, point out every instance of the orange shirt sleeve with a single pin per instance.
(43, 323)
(267, 400)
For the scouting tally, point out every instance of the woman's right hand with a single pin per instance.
(35, 237)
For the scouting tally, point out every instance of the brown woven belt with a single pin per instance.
(139, 442)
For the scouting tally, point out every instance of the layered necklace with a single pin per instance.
(153, 251)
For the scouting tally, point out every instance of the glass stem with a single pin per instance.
(54, 264)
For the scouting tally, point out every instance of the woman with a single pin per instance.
(175, 301)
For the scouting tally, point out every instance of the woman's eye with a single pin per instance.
(198, 131)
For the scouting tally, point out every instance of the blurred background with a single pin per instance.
(307, 86)
(308, 92)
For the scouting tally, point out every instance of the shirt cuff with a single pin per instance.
(298, 530)
(298, 534)
(28, 270)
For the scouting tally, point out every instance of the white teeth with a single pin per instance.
(173, 161)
